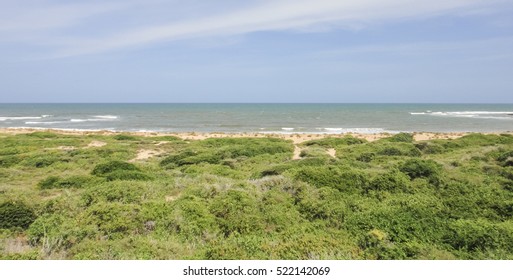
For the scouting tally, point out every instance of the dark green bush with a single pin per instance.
(115, 220)
(237, 213)
(390, 181)
(333, 142)
(112, 166)
(333, 177)
(430, 148)
(400, 137)
(506, 159)
(41, 161)
(419, 168)
(127, 175)
(42, 134)
(55, 182)
(399, 149)
(125, 137)
(480, 236)
(15, 215)
(366, 157)
(8, 161)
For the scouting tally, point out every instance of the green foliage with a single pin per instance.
(391, 181)
(119, 170)
(15, 215)
(237, 213)
(42, 134)
(77, 182)
(338, 178)
(114, 219)
(401, 137)
(418, 168)
(334, 142)
(8, 161)
(245, 198)
(430, 147)
(399, 149)
(215, 150)
(125, 137)
(506, 159)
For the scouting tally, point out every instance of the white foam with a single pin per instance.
(19, 118)
(110, 117)
(287, 128)
(54, 122)
(496, 115)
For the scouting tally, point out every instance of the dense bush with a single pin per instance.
(247, 199)
(125, 137)
(333, 177)
(237, 213)
(390, 181)
(15, 215)
(119, 170)
(8, 161)
(55, 182)
(419, 168)
(401, 137)
(333, 142)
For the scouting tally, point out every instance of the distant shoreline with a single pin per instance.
(295, 137)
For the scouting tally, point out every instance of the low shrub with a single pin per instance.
(15, 215)
(8, 161)
(125, 137)
(419, 168)
(104, 169)
(390, 181)
(333, 177)
(400, 137)
(42, 134)
(55, 182)
(331, 142)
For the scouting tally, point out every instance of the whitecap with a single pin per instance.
(110, 117)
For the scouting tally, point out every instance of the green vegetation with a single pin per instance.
(246, 198)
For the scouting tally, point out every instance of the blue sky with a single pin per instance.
(256, 51)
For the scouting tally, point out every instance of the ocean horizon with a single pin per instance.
(287, 118)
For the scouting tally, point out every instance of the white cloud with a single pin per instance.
(301, 15)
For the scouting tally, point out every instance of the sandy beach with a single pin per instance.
(294, 137)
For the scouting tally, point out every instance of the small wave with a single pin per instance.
(54, 122)
(287, 128)
(363, 130)
(19, 118)
(496, 115)
(89, 120)
(110, 117)
(46, 116)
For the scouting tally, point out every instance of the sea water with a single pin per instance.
(262, 118)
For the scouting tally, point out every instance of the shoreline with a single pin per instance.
(294, 137)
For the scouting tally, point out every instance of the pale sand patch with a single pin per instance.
(331, 152)
(18, 245)
(161, 143)
(297, 153)
(95, 144)
(63, 148)
(146, 154)
(170, 198)
(295, 138)
(424, 136)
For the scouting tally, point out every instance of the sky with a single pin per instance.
(292, 51)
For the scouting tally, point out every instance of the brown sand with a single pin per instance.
(295, 138)
(146, 154)
(331, 152)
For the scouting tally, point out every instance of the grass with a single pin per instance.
(245, 198)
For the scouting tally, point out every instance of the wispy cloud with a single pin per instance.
(253, 16)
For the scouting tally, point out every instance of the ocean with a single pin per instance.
(262, 118)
